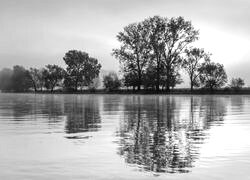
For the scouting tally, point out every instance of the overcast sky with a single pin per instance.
(34, 33)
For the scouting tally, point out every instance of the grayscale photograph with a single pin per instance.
(124, 90)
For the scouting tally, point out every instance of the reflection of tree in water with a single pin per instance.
(52, 107)
(82, 115)
(238, 102)
(31, 106)
(17, 106)
(212, 110)
(158, 135)
(82, 112)
(111, 103)
(36, 106)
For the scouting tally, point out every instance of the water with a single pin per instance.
(124, 137)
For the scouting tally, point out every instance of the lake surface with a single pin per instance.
(124, 137)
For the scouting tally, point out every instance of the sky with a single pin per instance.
(34, 33)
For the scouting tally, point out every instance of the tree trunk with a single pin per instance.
(191, 85)
(192, 88)
(158, 74)
(191, 82)
(139, 71)
(139, 82)
(76, 85)
(158, 80)
(34, 84)
(211, 89)
(168, 80)
(139, 87)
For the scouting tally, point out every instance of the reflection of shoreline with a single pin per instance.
(158, 135)
(80, 113)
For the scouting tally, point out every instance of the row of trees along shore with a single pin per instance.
(152, 54)
(81, 71)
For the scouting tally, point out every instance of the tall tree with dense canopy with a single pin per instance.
(133, 53)
(168, 39)
(81, 69)
(192, 62)
(53, 75)
(179, 33)
(155, 41)
(212, 75)
(155, 28)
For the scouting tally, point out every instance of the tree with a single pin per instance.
(175, 79)
(212, 75)
(20, 79)
(36, 77)
(150, 79)
(133, 54)
(155, 28)
(81, 69)
(153, 72)
(111, 81)
(6, 79)
(237, 83)
(53, 75)
(178, 34)
(191, 64)
(154, 41)
(95, 84)
(130, 80)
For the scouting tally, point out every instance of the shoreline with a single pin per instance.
(245, 91)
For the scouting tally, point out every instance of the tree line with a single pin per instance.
(80, 72)
(152, 54)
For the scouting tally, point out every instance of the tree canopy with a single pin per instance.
(53, 76)
(111, 81)
(81, 69)
(237, 83)
(37, 78)
(6, 79)
(152, 54)
(20, 79)
(133, 53)
(212, 75)
(154, 43)
(192, 62)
